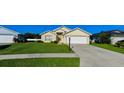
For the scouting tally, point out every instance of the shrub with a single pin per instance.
(54, 42)
(40, 41)
(119, 44)
(122, 44)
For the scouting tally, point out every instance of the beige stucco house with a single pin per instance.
(64, 35)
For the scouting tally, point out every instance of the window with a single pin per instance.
(48, 38)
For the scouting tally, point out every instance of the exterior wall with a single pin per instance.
(78, 32)
(65, 40)
(116, 39)
(6, 38)
(46, 34)
(88, 40)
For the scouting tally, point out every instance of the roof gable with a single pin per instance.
(62, 28)
(6, 31)
(80, 31)
(48, 32)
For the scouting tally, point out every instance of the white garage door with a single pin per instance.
(78, 40)
(6, 38)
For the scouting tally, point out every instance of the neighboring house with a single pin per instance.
(62, 35)
(117, 37)
(7, 35)
(114, 36)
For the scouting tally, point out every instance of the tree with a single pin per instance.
(31, 36)
(104, 38)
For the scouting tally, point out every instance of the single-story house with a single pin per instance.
(115, 37)
(112, 35)
(7, 35)
(64, 35)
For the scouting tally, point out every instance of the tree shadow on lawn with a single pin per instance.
(4, 47)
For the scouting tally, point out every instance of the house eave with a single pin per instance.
(80, 30)
(14, 32)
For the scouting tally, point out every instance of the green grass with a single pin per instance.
(110, 47)
(35, 47)
(41, 62)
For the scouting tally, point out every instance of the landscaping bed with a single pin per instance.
(41, 62)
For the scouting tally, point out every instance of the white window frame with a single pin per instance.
(48, 38)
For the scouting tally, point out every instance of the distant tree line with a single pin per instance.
(24, 37)
(31, 36)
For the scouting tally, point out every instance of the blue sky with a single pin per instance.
(41, 28)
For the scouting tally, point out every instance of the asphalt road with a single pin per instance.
(91, 56)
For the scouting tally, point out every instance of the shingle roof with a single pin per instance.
(6, 31)
(46, 32)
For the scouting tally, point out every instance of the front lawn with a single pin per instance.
(41, 62)
(35, 47)
(110, 47)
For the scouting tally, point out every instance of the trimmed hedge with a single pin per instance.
(119, 44)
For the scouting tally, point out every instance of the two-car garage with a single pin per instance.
(78, 36)
(6, 38)
(78, 40)
(7, 35)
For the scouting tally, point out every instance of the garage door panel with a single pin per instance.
(6, 39)
(78, 40)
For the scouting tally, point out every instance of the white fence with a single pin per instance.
(31, 40)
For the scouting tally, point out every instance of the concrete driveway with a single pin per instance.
(91, 56)
(38, 55)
